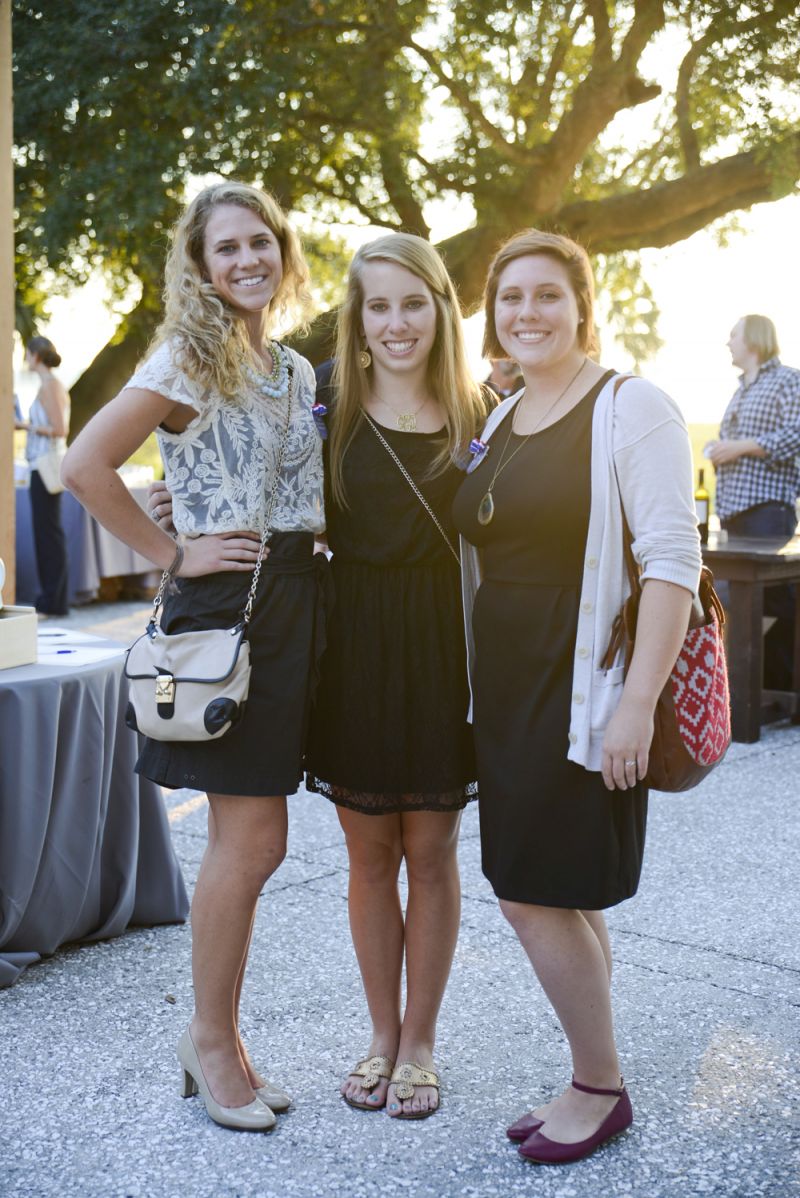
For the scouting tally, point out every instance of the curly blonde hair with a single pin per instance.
(449, 376)
(212, 344)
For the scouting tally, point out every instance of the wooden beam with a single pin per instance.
(6, 308)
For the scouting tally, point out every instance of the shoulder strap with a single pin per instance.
(411, 483)
(627, 536)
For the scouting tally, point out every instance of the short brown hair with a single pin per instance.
(572, 257)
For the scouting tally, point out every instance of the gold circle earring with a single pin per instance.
(364, 359)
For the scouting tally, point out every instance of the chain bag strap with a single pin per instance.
(411, 484)
(191, 686)
(266, 534)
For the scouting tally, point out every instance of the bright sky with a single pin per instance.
(701, 289)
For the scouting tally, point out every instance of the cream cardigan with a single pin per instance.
(643, 432)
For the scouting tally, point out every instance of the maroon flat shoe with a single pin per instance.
(542, 1151)
(524, 1127)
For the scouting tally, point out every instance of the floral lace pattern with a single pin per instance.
(220, 468)
(387, 804)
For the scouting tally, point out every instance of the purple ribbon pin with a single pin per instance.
(319, 411)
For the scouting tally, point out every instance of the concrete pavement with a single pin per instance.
(707, 996)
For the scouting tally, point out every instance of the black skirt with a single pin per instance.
(263, 753)
(389, 731)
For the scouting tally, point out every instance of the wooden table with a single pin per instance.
(748, 564)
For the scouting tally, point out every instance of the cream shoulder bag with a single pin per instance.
(194, 685)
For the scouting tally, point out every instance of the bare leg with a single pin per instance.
(569, 959)
(374, 848)
(255, 1078)
(248, 845)
(430, 840)
(597, 922)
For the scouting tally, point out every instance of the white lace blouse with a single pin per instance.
(220, 469)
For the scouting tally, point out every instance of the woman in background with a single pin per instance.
(48, 426)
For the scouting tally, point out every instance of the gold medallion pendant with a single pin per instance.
(407, 422)
(486, 509)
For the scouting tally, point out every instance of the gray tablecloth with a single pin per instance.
(85, 849)
(92, 551)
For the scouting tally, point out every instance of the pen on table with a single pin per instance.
(65, 650)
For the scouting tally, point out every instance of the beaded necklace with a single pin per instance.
(274, 384)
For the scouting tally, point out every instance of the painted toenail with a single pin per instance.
(393, 1107)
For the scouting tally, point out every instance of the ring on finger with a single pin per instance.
(628, 764)
(155, 515)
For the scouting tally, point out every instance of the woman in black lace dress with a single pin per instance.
(390, 743)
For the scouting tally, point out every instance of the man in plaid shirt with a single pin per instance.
(758, 477)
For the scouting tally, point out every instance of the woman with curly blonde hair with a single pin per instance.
(231, 409)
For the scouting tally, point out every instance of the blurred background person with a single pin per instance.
(47, 427)
(505, 377)
(758, 478)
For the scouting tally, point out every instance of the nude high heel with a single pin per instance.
(256, 1116)
(275, 1098)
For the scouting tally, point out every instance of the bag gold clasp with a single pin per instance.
(165, 688)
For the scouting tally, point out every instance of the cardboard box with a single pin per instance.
(18, 626)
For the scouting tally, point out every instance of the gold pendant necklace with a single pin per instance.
(406, 421)
(486, 505)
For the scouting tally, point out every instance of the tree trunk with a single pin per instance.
(318, 345)
(113, 366)
(117, 360)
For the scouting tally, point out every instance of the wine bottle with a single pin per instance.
(701, 506)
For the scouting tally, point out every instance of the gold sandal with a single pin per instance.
(406, 1077)
(370, 1071)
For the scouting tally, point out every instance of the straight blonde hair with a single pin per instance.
(760, 336)
(211, 340)
(449, 377)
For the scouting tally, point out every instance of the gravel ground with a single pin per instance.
(707, 991)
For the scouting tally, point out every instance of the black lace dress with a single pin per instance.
(389, 729)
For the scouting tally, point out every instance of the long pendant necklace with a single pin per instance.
(486, 505)
(406, 421)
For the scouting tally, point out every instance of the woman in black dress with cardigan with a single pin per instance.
(562, 746)
(390, 743)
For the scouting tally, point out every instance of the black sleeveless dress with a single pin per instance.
(389, 729)
(551, 834)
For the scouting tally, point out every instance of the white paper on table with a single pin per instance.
(81, 655)
(65, 636)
